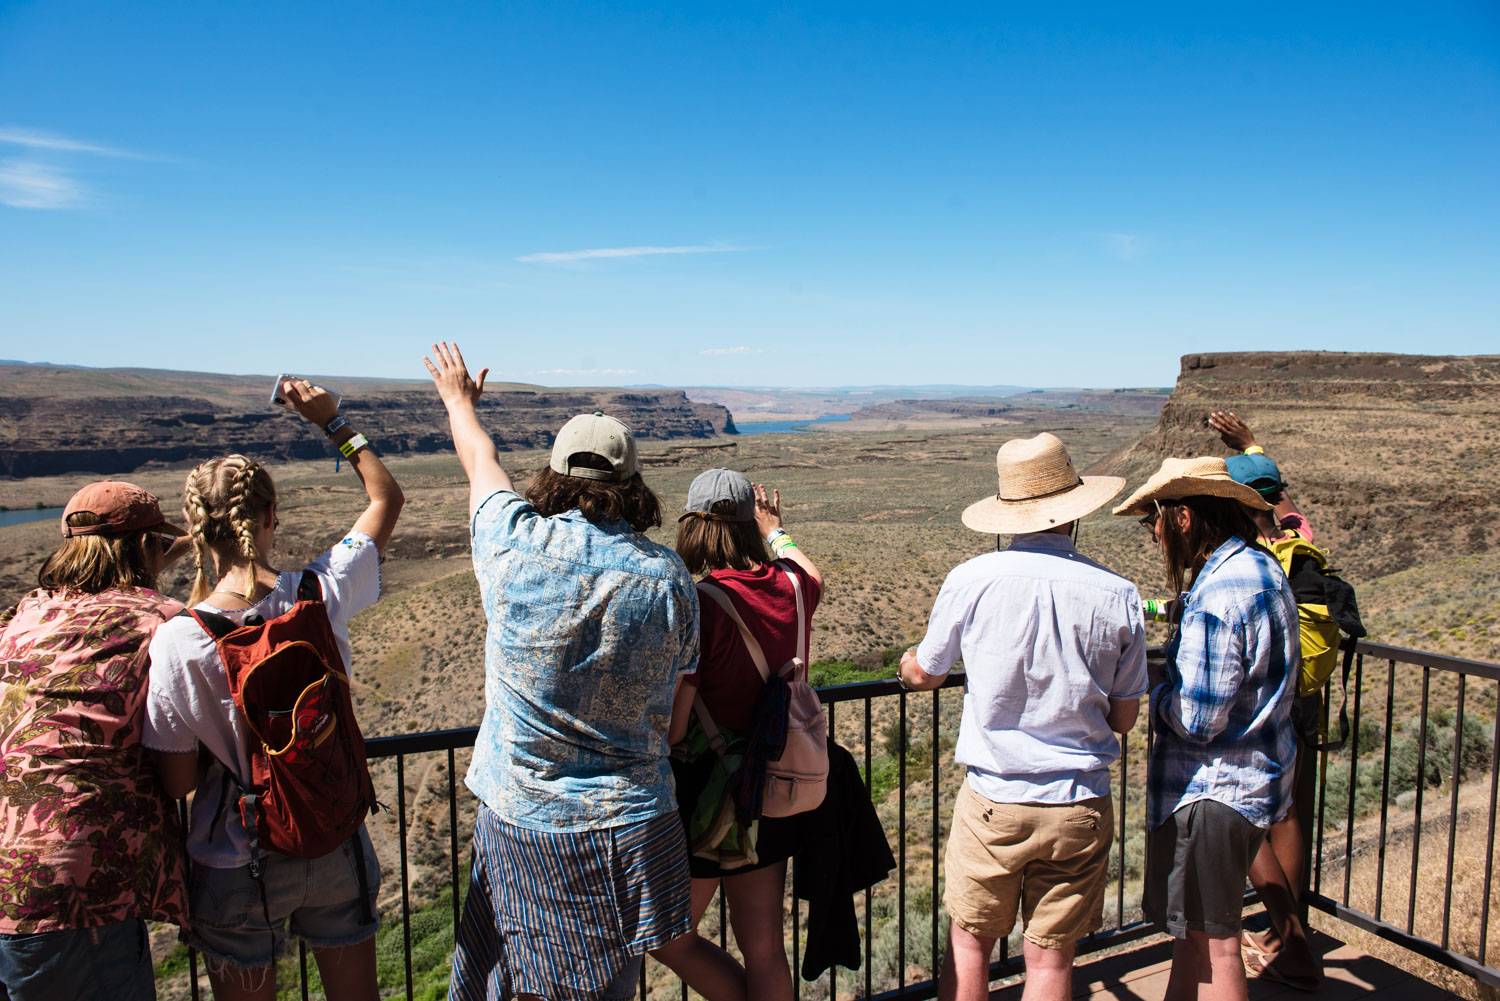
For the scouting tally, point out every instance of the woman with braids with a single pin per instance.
(238, 921)
(1222, 763)
(89, 844)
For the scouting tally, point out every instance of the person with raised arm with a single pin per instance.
(580, 862)
(1282, 952)
(727, 532)
(247, 899)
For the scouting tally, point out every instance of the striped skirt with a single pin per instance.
(560, 914)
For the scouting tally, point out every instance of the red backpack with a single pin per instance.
(309, 787)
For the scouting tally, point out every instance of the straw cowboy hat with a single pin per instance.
(1039, 489)
(1205, 476)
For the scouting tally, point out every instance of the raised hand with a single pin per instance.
(316, 404)
(450, 374)
(1235, 432)
(767, 510)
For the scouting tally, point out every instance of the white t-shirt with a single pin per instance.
(189, 701)
(1047, 638)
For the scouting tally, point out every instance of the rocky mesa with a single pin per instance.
(1392, 455)
(56, 419)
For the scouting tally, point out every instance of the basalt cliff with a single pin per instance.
(56, 419)
(1392, 456)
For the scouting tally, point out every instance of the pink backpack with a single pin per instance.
(798, 780)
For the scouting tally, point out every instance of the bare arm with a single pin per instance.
(768, 519)
(476, 450)
(912, 675)
(178, 772)
(378, 520)
(1123, 714)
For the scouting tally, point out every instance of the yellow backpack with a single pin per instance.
(1326, 606)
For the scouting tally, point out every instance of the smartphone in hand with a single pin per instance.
(278, 399)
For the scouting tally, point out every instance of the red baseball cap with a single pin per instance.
(120, 507)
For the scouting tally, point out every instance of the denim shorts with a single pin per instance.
(108, 963)
(317, 900)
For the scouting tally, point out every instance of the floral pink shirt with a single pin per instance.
(87, 837)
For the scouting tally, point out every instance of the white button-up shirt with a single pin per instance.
(1047, 638)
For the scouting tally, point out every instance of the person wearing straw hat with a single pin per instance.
(1054, 650)
(1221, 767)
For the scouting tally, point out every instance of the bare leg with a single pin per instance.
(1285, 942)
(234, 983)
(348, 972)
(702, 965)
(1189, 960)
(966, 967)
(1049, 972)
(1226, 971)
(755, 910)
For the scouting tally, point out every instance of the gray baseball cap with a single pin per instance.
(595, 434)
(714, 485)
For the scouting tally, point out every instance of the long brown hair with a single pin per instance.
(601, 501)
(223, 500)
(1214, 520)
(94, 563)
(713, 542)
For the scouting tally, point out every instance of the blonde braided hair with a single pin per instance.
(223, 500)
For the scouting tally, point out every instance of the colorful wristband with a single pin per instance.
(1255, 450)
(776, 533)
(349, 447)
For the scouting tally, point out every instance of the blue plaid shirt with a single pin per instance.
(1223, 710)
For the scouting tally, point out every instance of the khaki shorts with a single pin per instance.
(1050, 859)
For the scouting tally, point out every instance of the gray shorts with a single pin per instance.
(1196, 864)
(317, 899)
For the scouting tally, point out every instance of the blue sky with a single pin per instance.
(1041, 194)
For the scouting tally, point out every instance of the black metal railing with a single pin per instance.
(907, 967)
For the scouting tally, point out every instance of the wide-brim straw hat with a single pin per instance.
(1039, 489)
(1204, 476)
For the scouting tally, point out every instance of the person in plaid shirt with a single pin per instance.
(1221, 766)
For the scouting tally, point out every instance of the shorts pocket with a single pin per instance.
(224, 898)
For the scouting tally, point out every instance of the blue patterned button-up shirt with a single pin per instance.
(1223, 711)
(589, 627)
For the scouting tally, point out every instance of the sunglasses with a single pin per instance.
(164, 543)
(1150, 518)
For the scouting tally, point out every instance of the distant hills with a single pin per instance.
(62, 419)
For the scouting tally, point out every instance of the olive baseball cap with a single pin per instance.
(595, 434)
(714, 485)
(120, 507)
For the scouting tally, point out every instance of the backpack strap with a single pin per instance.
(1338, 745)
(757, 655)
(216, 625)
(309, 588)
(802, 648)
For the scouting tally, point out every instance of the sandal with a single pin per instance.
(1261, 965)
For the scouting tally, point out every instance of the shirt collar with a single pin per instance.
(1216, 559)
(1051, 542)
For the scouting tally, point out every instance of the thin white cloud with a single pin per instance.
(740, 350)
(26, 184)
(597, 253)
(586, 371)
(1124, 246)
(50, 141)
(40, 175)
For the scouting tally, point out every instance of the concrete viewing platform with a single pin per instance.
(1140, 974)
